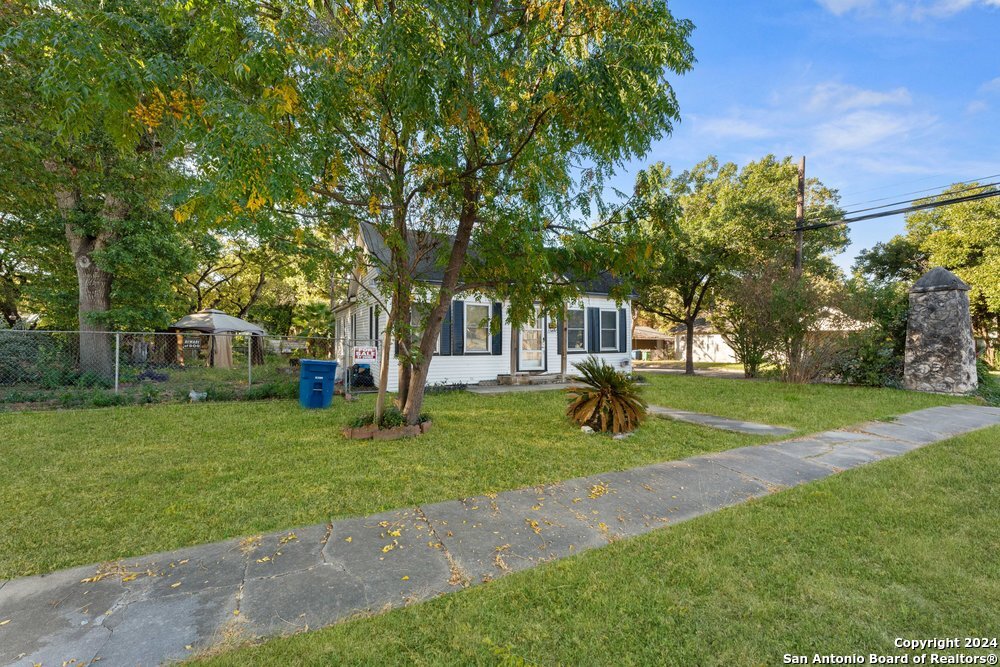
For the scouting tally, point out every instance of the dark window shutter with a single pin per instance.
(497, 321)
(371, 322)
(593, 330)
(446, 334)
(458, 328)
(559, 334)
(378, 315)
(622, 342)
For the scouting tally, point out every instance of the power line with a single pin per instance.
(905, 201)
(907, 209)
(917, 192)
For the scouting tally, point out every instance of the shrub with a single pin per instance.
(444, 387)
(989, 385)
(608, 401)
(92, 380)
(220, 392)
(869, 359)
(272, 389)
(107, 399)
(18, 358)
(150, 394)
(391, 418)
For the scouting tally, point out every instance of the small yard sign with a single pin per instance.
(365, 353)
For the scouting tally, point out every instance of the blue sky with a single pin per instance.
(882, 97)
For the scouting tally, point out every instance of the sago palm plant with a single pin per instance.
(608, 401)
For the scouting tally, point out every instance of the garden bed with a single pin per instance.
(371, 432)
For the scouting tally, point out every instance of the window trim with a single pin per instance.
(600, 335)
(576, 350)
(465, 327)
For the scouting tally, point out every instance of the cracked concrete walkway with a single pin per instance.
(168, 606)
(722, 423)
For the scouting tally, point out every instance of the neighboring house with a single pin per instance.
(652, 344)
(468, 352)
(710, 346)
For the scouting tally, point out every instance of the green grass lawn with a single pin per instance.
(805, 407)
(902, 548)
(81, 486)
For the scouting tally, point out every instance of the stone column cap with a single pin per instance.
(939, 279)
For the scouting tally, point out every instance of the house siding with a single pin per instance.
(472, 368)
(706, 348)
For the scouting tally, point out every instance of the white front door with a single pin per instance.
(532, 348)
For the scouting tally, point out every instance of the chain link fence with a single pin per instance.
(73, 368)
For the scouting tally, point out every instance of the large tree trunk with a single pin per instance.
(94, 287)
(404, 316)
(689, 347)
(383, 368)
(254, 296)
(564, 336)
(514, 351)
(93, 283)
(463, 235)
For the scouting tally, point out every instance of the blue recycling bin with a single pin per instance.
(316, 380)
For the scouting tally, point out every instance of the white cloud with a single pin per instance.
(731, 127)
(866, 129)
(976, 106)
(841, 97)
(840, 7)
(905, 9)
(991, 86)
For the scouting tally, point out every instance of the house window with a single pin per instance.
(477, 327)
(416, 322)
(576, 339)
(609, 330)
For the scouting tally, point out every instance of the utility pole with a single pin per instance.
(800, 215)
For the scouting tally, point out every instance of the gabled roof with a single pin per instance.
(429, 266)
(649, 333)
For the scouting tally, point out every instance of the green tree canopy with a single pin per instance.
(464, 121)
(715, 223)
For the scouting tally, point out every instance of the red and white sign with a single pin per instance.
(365, 353)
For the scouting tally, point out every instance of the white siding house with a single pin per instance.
(710, 346)
(468, 352)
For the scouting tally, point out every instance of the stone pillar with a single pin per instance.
(940, 349)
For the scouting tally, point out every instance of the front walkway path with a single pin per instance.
(723, 423)
(169, 606)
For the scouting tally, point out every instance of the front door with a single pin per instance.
(531, 351)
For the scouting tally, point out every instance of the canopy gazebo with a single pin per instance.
(219, 328)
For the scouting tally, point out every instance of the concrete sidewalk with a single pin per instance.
(169, 606)
(721, 423)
